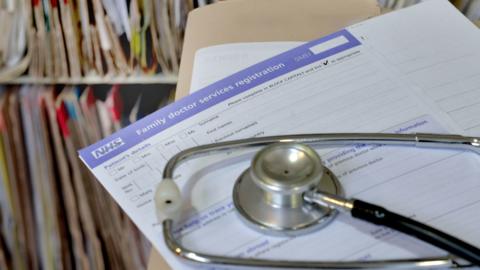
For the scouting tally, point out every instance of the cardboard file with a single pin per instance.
(265, 20)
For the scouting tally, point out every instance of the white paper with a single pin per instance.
(113, 9)
(361, 89)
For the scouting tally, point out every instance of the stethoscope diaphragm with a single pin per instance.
(268, 195)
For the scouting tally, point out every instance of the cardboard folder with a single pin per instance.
(265, 20)
(261, 20)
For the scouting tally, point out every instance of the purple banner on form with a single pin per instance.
(215, 93)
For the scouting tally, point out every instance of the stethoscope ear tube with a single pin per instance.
(380, 216)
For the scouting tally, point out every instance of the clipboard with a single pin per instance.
(256, 21)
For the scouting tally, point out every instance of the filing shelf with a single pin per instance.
(155, 79)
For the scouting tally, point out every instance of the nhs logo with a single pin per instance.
(107, 148)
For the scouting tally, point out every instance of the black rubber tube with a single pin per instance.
(380, 216)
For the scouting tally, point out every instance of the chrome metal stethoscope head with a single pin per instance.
(269, 195)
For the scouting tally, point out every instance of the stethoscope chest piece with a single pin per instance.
(269, 195)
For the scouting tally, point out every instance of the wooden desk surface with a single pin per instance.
(156, 262)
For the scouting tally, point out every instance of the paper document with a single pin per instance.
(409, 71)
(217, 62)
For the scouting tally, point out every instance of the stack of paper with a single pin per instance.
(71, 39)
(414, 70)
(53, 213)
(394, 4)
(471, 8)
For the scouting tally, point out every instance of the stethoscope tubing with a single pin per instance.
(380, 216)
(421, 140)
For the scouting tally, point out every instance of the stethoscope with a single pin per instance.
(287, 191)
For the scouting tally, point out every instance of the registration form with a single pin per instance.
(354, 80)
